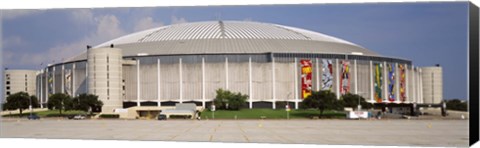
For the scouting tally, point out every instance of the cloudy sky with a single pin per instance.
(426, 33)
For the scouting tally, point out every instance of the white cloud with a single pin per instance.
(82, 16)
(11, 14)
(146, 23)
(108, 28)
(176, 20)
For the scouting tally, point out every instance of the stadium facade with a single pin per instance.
(272, 64)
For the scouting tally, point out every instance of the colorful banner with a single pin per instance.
(68, 82)
(391, 82)
(378, 83)
(403, 96)
(306, 78)
(50, 83)
(345, 78)
(327, 75)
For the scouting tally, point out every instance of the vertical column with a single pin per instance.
(226, 73)
(46, 84)
(420, 86)
(371, 83)
(407, 83)
(250, 89)
(317, 71)
(159, 93)
(295, 83)
(62, 90)
(138, 82)
(203, 82)
(385, 81)
(397, 83)
(86, 75)
(273, 83)
(53, 79)
(337, 80)
(74, 67)
(181, 79)
(41, 88)
(355, 74)
(414, 84)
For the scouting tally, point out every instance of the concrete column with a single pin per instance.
(337, 80)
(203, 82)
(317, 71)
(406, 83)
(420, 86)
(250, 89)
(385, 82)
(74, 67)
(414, 84)
(159, 93)
(355, 74)
(372, 90)
(273, 83)
(53, 82)
(181, 79)
(295, 82)
(138, 82)
(46, 84)
(63, 79)
(86, 75)
(226, 73)
(397, 83)
(41, 89)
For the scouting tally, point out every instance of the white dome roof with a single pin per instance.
(216, 37)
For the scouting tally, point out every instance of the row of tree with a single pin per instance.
(322, 100)
(58, 101)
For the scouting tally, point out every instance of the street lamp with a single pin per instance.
(359, 107)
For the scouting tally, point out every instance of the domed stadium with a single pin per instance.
(273, 64)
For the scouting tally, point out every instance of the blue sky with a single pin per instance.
(426, 33)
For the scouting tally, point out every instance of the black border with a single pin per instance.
(473, 91)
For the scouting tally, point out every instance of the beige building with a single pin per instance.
(432, 84)
(19, 80)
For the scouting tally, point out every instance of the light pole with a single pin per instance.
(359, 107)
(31, 107)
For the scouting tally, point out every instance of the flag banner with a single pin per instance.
(50, 83)
(345, 78)
(68, 82)
(327, 75)
(403, 96)
(306, 75)
(391, 82)
(378, 83)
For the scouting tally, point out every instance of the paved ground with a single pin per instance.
(352, 132)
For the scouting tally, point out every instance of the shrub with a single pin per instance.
(109, 116)
(229, 100)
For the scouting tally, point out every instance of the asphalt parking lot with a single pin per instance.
(452, 133)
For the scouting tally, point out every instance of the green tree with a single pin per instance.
(86, 102)
(35, 103)
(457, 104)
(351, 100)
(60, 101)
(229, 100)
(322, 100)
(20, 101)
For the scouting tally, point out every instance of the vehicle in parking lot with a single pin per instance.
(33, 117)
(162, 117)
(79, 117)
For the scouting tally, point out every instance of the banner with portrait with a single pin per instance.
(345, 78)
(327, 74)
(306, 75)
